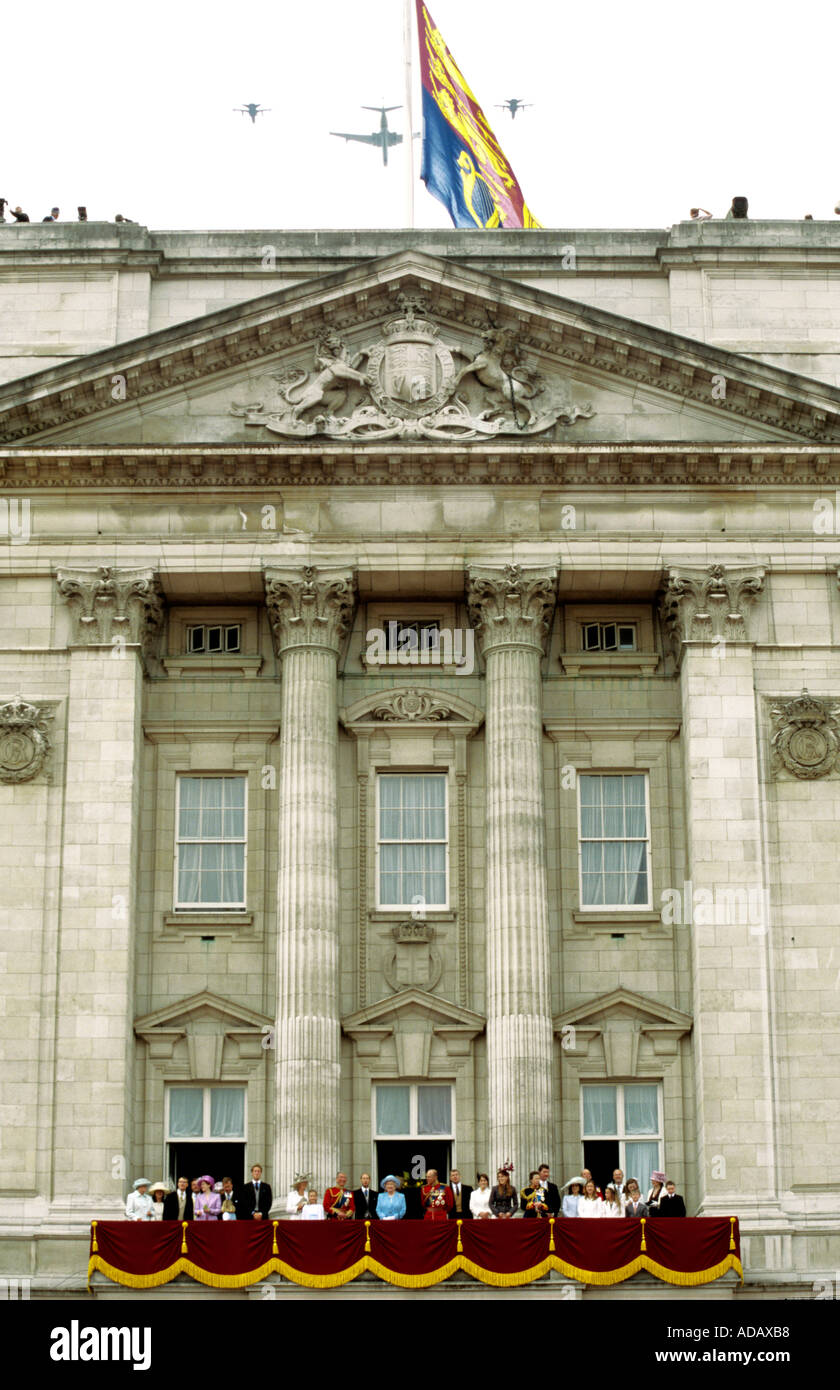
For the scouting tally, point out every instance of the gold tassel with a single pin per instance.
(94, 1247)
(274, 1249)
(551, 1244)
(459, 1246)
(644, 1242)
(184, 1238)
(367, 1236)
(732, 1232)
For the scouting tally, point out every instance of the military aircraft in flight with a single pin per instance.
(513, 104)
(252, 109)
(383, 137)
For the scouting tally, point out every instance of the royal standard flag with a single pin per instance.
(463, 163)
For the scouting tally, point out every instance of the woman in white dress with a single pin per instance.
(157, 1193)
(480, 1199)
(312, 1209)
(591, 1204)
(612, 1202)
(139, 1204)
(297, 1198)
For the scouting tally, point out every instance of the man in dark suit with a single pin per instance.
(461, 1193)
(254, 1202)
(552, 1191)
(178, 1205)
(670, 1203)
(365, 1199)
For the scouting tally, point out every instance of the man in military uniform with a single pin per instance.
(338, 1204)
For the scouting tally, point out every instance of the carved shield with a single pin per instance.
(412, 372)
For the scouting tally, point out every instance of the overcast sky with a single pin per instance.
(642, 108)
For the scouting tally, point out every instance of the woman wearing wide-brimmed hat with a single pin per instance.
(139, 1204)
(572, 1196)
(207, 1205)
(158, 1192)
(299, 1195)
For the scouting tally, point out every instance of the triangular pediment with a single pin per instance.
(410, 1006)
(421, 351)
(201, 1007)
(621, 1004)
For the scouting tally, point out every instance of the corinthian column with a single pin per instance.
(310, 612)
(511, 609)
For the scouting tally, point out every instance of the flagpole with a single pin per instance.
(409, 136)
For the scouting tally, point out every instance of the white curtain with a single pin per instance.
(392, 1110)
(599, 1111)
(641, 1111)
(227, 1112)
(410, 871)
(614, 860)
(640, 1160)
(186, 1113)
(434, 1110)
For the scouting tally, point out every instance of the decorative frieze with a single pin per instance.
(708, 605)
(109, 605)
(806, 737)
(309, 607)
(511, 606)
(25, 743)
(409, 705)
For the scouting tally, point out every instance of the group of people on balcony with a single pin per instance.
(204, 1200)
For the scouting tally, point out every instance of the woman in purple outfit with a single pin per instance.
(207, 1204)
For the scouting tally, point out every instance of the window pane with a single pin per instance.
(641, 1115)
(599, 1110)
(434, 1110)
(640, 1160)
(211, 808)
(189, 803)
(227, 1113)
(392, 1110)
(186, 1114)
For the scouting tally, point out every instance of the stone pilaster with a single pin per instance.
(511, 609)
(725, 898)
(310, 612)
(94, 1096)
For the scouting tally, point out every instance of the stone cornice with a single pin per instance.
(175, 468)
(560, 331)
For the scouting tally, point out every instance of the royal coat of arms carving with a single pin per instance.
(25, 742)
(412, 389)
(806, 741)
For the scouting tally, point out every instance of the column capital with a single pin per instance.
(309, 607)
(511, 605)
(107, 603)
(708, 604)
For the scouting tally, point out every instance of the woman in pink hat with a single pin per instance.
(207, 1204)
(652, 1199)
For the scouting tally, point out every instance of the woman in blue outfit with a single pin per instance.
(391, 1203)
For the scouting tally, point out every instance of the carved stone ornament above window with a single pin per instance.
(412, 388)
(806, 739)
(24, 740)
(408, 705)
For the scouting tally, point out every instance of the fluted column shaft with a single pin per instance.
(511, 609)
(310, 612)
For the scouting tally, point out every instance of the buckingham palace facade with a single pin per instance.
(420, 716)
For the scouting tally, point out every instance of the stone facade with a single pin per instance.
(192, 435)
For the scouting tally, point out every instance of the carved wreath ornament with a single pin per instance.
(24, 740)
(806, 741)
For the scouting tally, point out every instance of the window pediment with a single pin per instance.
(413, 706)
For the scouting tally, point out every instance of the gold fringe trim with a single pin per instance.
(321, 1281)
(506, 1281)
(691, 1278)
(414, 1281)
(499, 1280)
(601, 1277)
